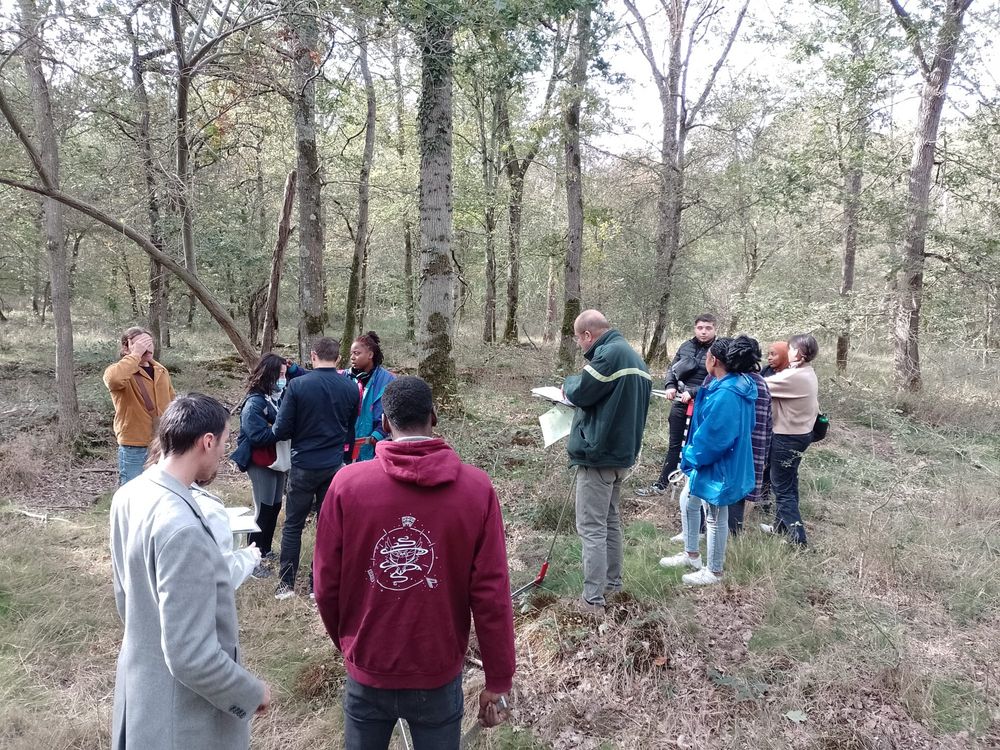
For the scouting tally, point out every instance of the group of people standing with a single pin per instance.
(410, 549)
(330, 417)
(736, 434)
(410, 544)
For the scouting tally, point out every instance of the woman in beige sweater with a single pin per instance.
(794, 406)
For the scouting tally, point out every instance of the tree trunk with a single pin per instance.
(490, 301)
(434, 331)
(574, 193)
(852, 210)
(408, 300)
(910, 284)
(277, 264)
(353, 315)
(54, 224)
(516, 179)
(184, 188)
(679, 116)
(312, 286)
(486, 102)
(363, 289)
(157, 301)
(133, 295)
(551, 301)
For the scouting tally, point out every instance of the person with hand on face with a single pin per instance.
(372, 378)
(255, 451)
(317, 414)
(179, 682)
(408, 546)
(795, 405)
(140, 391)
(685, 375)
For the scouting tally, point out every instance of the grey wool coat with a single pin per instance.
(179, 684)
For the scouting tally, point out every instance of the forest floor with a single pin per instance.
(884, 634)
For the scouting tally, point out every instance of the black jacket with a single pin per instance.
(688, 366)
(318, 412)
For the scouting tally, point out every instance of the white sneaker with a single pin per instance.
(679, 538)
(767, 528)
(680, 560)
(703, 577)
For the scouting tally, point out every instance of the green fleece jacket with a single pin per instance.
(612, 400)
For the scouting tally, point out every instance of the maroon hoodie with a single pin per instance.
(407, 547)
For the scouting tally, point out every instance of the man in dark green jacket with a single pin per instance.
(612, 399)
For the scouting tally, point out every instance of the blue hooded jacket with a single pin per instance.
(718, 457)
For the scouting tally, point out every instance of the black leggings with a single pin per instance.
(267, 519)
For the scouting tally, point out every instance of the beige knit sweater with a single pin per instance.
(794, 399)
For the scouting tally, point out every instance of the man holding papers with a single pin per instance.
(612, 396)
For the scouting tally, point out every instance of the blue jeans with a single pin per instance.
(786, 455)
(434, 716)
(130, 461)
(306, 490)
(717, 531)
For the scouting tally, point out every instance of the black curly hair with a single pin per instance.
(739, 355)
(372, 342)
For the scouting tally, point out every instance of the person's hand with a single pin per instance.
(671, 394)
(141, 344)
(266, 703)
(685, 397)
(490, 713)
(254, 551)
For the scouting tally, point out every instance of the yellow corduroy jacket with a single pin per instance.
(133, 423)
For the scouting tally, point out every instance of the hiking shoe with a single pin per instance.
(767, 528)
(284, 591)
(261, 571)
(268, 557)
(652, 491)
(680, 560)
(703, 577)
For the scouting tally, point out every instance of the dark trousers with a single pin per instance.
(267, 519)
(306, 490)
(434, 716)
(675, 423)
(786, 455)
(736, 517)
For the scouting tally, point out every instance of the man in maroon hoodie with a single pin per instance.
(408, 546)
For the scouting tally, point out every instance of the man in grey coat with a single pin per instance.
(179, 682)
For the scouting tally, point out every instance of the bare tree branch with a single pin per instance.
(693, 112)
(912, 35)
(22, 136)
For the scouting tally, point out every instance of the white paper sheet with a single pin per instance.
(241, 520)
(551, 393)
(556, 424)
